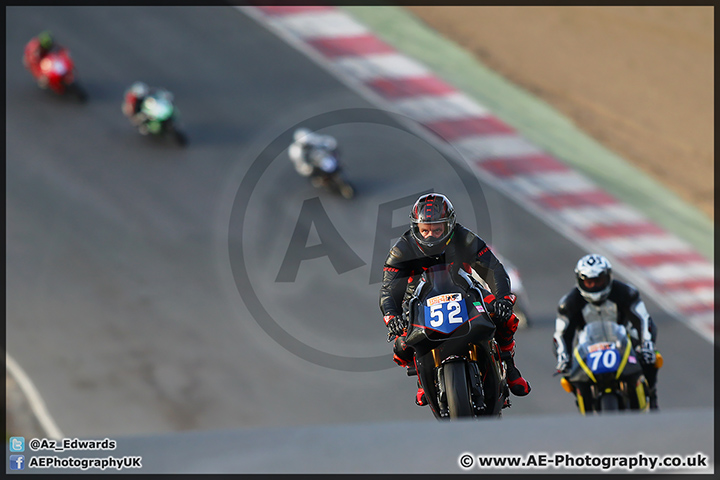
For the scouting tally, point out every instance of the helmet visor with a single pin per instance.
(431, 233)
(594, 284)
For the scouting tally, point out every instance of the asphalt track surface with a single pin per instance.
(153, 289)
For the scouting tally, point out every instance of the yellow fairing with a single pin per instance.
(640, 391)
(581, 403)
(584, 367)
(624, 360)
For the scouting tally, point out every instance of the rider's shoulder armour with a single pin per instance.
(400, 253)
(571, 303)
(466, 240)
(623, 293)
(465, 235)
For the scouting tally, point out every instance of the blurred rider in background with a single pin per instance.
(305, 142)
(134, 97)
(597, 296)
(435, 238)
(36, 49)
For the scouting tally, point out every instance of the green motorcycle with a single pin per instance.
(160, 117)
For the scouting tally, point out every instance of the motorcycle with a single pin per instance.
(56, 71)
(158, 117)
(457, 360)
(606, 374)
(328, 173)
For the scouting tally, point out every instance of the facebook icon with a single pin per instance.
(17, 462)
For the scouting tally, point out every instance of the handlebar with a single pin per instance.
(489, 308)
(391, 336)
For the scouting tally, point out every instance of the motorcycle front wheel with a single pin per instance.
(609, 403)
(347, 191)
(343, 187)
(457, 390)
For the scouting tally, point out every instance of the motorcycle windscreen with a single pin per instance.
(59, 67)
(157, 108)
(54, 64)
(602, 347)
(324, 160)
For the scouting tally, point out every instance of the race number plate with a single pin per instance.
(446, 312)
(602, 359)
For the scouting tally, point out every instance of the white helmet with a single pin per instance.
(594, 277)
(139, 89)
(164, 94)
(303, 136)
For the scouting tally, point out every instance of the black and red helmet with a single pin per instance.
(432, 208)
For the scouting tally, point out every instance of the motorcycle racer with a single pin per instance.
(35, 50)
(134, 97)
(597, 296)
(300, 152)
(436, 238)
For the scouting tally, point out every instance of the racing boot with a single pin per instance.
(652, 389)
(420, 399)
(651, 374)
(518, 385)
(400, 361)
(402, 354)
(652, 398)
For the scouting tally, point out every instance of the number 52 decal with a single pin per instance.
(446, 312)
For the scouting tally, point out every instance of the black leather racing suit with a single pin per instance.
(406, 262)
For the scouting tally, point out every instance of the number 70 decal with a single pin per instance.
(603, 360)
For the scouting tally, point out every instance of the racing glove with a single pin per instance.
(647, 352)
(563, 363)
(396, 324)
(503, 309)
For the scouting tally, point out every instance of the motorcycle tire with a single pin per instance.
(343, 187)
(347, 191)
(457, 390)
(609, 403)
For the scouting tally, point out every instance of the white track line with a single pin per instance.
(37, 405)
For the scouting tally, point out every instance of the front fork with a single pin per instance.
(631, 396)
(477, 394)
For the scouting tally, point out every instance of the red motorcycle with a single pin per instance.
(55, 71)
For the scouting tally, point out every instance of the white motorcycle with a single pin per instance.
(327, 173)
